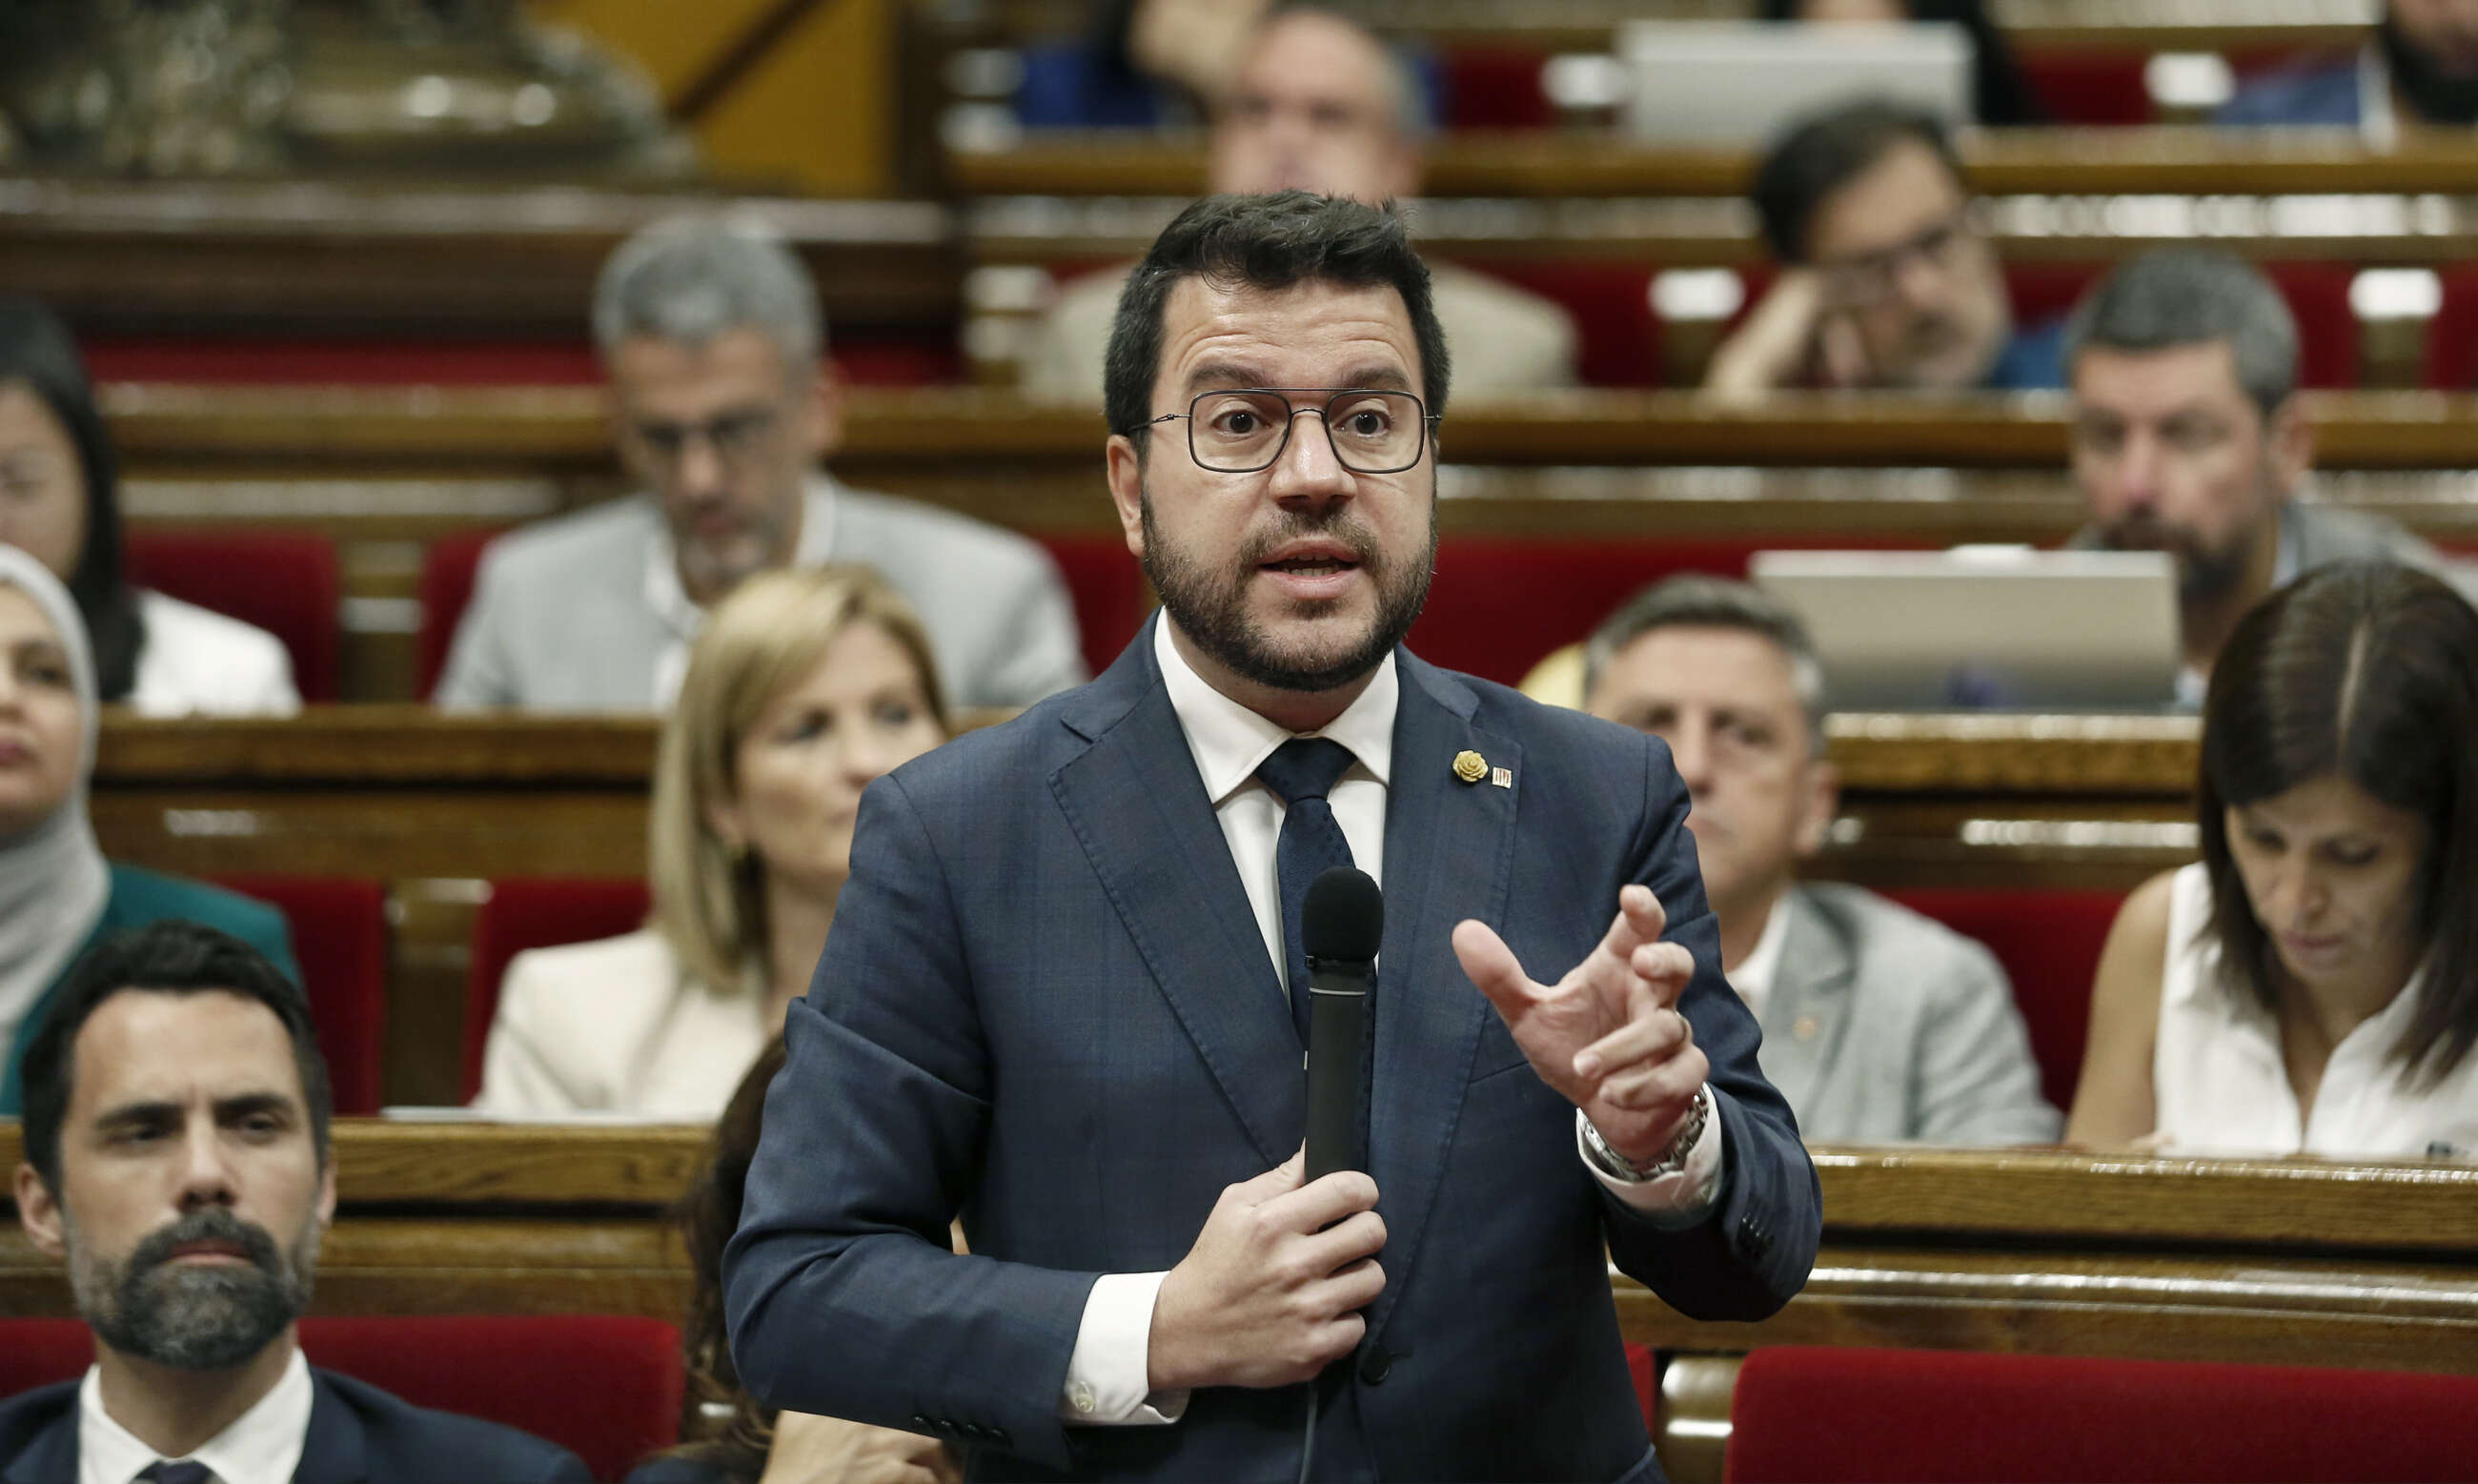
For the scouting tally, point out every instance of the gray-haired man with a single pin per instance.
(2187, 438)
(1880, 1026)
(711, 344)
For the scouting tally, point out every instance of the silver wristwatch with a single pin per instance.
(1626, 1171)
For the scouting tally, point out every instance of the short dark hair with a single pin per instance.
(2173, 296)
(1266, 243)
(171, 957)
(1823, 152)
(36, 350)
(1697, 601)
(2367, 672)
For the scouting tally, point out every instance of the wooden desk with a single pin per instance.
(1552, 163)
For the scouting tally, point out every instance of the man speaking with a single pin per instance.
(1058, 997)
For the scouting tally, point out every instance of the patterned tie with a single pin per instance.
(185, 1471)
(1303, 771)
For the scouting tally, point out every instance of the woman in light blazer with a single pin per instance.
(804, 686)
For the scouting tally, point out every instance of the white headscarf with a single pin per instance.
(53, 879)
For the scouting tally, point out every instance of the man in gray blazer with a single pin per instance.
(711, 341)
(1880, 1025)
(2188, 438)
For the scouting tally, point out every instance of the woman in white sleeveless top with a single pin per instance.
(2310, 985)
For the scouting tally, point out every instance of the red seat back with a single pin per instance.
(2090, 87)
(2452, 336)
(285, 582)
(340, 936)
(1843, 1416)
(536, 913)
(2049, 942)
(608, 1388)
(1500, 604)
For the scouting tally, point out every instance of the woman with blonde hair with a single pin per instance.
(804, 686)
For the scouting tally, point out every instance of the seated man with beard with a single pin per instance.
(2419, 71)
(2188, 437)
(177, 1159)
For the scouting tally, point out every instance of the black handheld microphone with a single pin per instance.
(1341, 923)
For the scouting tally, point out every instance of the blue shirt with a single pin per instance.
(2032, 360)
(2324, 92)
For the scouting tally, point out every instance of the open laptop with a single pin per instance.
(1742, 82)
(1985, 626)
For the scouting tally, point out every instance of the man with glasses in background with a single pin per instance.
(1886, 281)
(711, 341)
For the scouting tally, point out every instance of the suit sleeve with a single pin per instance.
(1977, 1083)
(1043, 654)
(1756, 1249)
(477, 674)
(841, 1294)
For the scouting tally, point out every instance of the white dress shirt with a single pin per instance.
(263, 1445)
(1754, 976)
(196, 662)
(1106, 1375)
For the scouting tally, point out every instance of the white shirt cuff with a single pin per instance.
(1105, 1376)
(1679, 1198)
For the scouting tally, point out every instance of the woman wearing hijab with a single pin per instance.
(57, 895)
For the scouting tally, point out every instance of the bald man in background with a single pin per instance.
(1318, 104)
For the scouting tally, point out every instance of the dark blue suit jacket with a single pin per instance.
(358, 1435)
(1046, 1005)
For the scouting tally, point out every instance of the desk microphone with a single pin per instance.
(1341, 923)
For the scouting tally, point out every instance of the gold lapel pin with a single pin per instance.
(1470, 766)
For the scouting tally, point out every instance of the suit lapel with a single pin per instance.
(1140, 812)
(53, 1454)
(1449, 852)
(331, 1451)
(1804, 1015)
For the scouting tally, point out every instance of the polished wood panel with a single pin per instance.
(1550, 164)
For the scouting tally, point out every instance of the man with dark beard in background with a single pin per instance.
(177, 1159)
(2188, 438)
(2419, 70)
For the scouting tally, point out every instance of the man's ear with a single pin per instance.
(1128, 490)
(2291, 441)
(1819, 800)
(822, 412)
(39, 1214)
(327, 1192)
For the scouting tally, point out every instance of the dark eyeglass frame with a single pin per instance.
(1325, 416)
(733, 436)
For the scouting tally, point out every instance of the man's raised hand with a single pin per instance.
(1608, 1035)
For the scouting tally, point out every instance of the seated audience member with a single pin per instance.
(2187, 438)
(1999, 93)
(59, 499)
(57, 895)
(1886, 281)
(2310, 985)
(1322, 105)
(177, 1161)
(1878, 1024)
(804, 686)
(710, 340)
(2418, 70)
(748, 1441)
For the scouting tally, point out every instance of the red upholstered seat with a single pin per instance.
(285, 582)
(1103, 583)
(536, 913)
(339, 934)
(2090, 87)
(606, 1387)
(1842, 1416)
(2452, 335)
(2049, 942)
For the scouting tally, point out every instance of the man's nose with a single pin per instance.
(1922, 282)
(1690, 751)
(2136, 473)
(206, 1174)
(1306, 471)
(699, 470)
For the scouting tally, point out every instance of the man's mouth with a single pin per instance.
(210, 1250)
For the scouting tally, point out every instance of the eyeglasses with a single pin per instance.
(1246, 429)
(1871, 277)
(733, 436)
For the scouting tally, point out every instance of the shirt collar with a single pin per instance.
(1754, 976)
(669, 601)
(1229, 742)
(263, 1445)
(2377, 125)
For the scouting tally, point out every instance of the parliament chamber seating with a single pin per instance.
(340, 939)
(536, 913)
(285, 582)
(2049, 941)
(609, 1388)
(1843, 1416)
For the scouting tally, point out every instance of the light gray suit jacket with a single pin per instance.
(1883, 1026)
(560, 621)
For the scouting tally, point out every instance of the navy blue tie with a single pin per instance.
(1304, 770)
(185, 1471)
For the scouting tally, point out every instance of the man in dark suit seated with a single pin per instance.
(177, 1159)
(1063, 995)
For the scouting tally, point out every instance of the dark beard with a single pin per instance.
(197, 1319)
(2431, 92)
(2202, 576)
(1211, 610)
